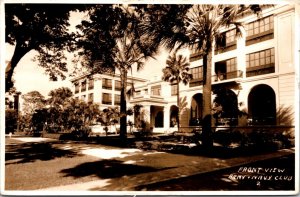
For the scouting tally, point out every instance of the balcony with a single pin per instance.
(107, 86)
(228, 76)
(195, 56)
(225, 48)
(260, 70)
(196, 82)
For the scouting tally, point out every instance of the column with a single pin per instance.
(166, 118)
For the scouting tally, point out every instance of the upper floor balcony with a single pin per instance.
(228, 76)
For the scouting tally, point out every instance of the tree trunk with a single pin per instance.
(178, 105)
(123, 106)
(207, 140)
(9, 70)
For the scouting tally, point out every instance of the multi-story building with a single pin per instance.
(102, 89)
(256, 71)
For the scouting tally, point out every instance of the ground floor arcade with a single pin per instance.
(250, 103)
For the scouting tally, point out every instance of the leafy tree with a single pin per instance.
(39, 27)
(78, 115)
(38, 119)
(32, 101)
(109, 116)
(111, 40)
(56, 106)
(59, 96)
(197, 26)
(138, 116)
(11, 118)
(66, 113)
(177, 71)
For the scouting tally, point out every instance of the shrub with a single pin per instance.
(81, 133)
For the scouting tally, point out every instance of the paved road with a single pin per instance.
(50, 165)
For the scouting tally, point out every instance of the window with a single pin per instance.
(107, 84)
(197, 73)
(155, 90)
(231, 65)
(83, 97)
(91, 98)
(117, 99)
(226, 42)
(261, 62)
(173, 89)
(91, 84)
(194, 53)
(230, 37)
(106, 98)
(260, 30)
(83, 86)
(118, 85)
(77, 86)
(226, 69)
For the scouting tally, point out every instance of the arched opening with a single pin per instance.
(159, 119)
(157, 116)
(262, 105)
(196, 110)
(225, 107)
(173, 116)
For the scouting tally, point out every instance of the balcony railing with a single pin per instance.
(196, 82)
(228, 75)
(260, 70)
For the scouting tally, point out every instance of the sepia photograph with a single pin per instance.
(149, 98)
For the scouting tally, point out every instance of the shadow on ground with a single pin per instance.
(223, 179)
(30, 152)
(108, 169)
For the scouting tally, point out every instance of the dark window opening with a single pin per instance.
(106, 99)
(107, 84)
(227, 70)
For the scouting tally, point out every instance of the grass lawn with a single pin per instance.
(42, 174)
(44, 164)
(222, 180)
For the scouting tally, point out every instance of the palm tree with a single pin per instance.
(129, 51)
(177, 71)
(197, 26)
(111, 40)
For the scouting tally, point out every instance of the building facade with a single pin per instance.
(254, 74)
(102, 89)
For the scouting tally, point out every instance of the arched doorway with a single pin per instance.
(196, 110)
(173, 116)
(226, 107)
(157, 116)
(262, 105)
(159, 119)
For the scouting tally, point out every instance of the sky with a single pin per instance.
(29, 76)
